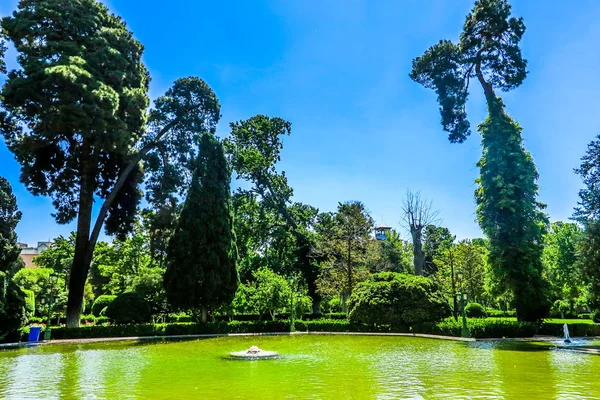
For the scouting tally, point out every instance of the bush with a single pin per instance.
(582, 328)
(101, 303)
(101, 320)
(29, 301)
(86, 319)
(501, 313)
(596, 317)
(129, 308)
(13, 312)
(475, 310)
(397, 300)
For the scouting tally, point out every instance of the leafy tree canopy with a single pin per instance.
(488, 49)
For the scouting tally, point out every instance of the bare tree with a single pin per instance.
(418, 213)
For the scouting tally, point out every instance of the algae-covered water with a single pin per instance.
(317, 367)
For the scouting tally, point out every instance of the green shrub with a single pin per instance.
(29, 301)
(100, 303)
(323, 325)
(480, 328)
(129, 308)
(501, 313)
(13, 312)
(596, 317)
(334, 315)
(101, 320)
(86, 319)
(582, 328)
(397, 300)
(475, 310)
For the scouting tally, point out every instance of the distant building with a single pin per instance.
(28, 253)
(381, 232)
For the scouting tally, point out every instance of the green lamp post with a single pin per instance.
(292, 327)
(462, 300)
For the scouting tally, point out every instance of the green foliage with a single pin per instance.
(588, 213)
(488, 48)
(101, 303)
(437, 240)
(596, 317)
(343, 249)
(59, 256)
(389, 298)
(471, 258)
(29, 296)
(562, 309)
(124, 264)
(76, 119)
(510, 216)
(129, 308)
(48, 288)
(9, 218)
(271, 292)
(390, 255)
(560, 257)
(481, 328)
(201, 270)
(508, 210)
(13, 308)
(500, 314)
(475, 310)
(78, 104)
(254, 148)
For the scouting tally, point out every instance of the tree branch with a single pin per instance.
(123, 177)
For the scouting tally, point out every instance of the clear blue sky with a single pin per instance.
(362, 130)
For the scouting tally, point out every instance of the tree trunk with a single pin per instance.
(349, 270)
(344, 298)
(203, 314)
(81, 261)
(418, 253)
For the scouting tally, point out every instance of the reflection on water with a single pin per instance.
(312, 367)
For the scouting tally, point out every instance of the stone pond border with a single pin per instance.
(215, 335)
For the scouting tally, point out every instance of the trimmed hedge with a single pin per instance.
(575, 329)
(129, 307)
(480, 328)
(475, 310)
(101, 303)
(501, 314)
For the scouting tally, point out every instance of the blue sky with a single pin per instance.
(361, 129)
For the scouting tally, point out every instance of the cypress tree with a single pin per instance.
(201, 270)
(12, 299)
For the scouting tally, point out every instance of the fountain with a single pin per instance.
(566, 331)
(254, 353)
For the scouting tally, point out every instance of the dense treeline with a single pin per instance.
(79, 122)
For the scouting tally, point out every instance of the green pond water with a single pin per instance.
(318, 367)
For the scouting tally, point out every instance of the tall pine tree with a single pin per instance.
(201, 255)
(507, 206)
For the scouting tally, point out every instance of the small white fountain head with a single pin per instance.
(566, 333)
(254, 353)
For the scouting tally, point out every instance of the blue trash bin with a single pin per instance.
(34, 333)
